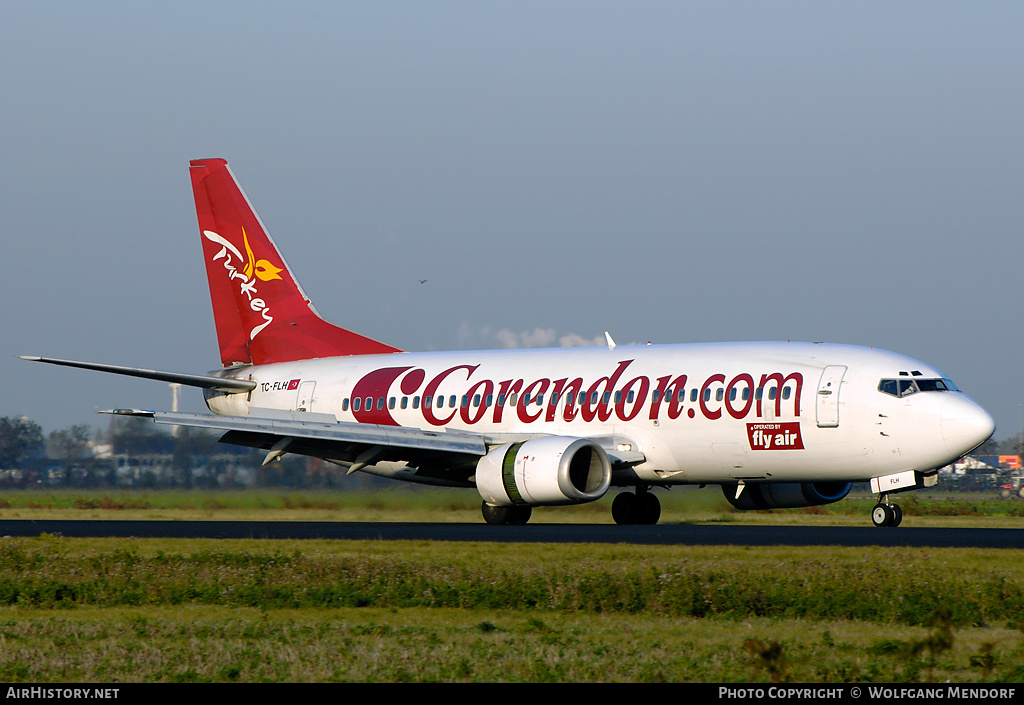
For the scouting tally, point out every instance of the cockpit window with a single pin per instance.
(936, 385)
(905, 386)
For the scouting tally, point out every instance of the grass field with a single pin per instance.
(106, 610)
(404, 503)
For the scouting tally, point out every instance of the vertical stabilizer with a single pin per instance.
(262, 314)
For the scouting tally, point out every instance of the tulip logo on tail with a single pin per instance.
(252, 269)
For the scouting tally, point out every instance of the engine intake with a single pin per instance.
(544, 471)
(786, 495)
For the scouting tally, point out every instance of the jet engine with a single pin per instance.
(551, 470)
(785, 495)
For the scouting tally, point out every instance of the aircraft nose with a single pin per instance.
(965, 425)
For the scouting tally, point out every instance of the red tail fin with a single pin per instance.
(261, 312)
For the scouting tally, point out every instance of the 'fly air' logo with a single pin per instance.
(775, 436)
(252, 270)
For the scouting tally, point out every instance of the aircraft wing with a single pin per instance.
(435, 457)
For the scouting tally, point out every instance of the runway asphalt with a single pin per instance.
(660, 534)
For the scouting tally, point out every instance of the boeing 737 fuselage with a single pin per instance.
(775, 424)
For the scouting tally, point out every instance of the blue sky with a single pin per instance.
(675, 172)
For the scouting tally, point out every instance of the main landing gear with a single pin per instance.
(640, 508)
(506, 515)
(627, 508)
(886, 514)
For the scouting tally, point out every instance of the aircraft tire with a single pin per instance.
(883, 515)
(624, 508)
(629, 508)
(650, 508)
(521, 515)
(505, 515)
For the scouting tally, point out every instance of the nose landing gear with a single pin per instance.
(886, 514)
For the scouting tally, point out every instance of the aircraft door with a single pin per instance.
(827, 399)
(305, 396)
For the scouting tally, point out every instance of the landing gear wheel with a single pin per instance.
(886, 515)
(505, 515)
(495, 515)
(624, 508)
(650, 508)
(642, 508)
(521, 515)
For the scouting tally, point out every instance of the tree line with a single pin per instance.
(135, 452)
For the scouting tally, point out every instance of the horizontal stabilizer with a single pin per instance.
(203, 381)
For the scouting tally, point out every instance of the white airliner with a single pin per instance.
(775, 424)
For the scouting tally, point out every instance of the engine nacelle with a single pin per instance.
(544, 471)
(786, 495)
